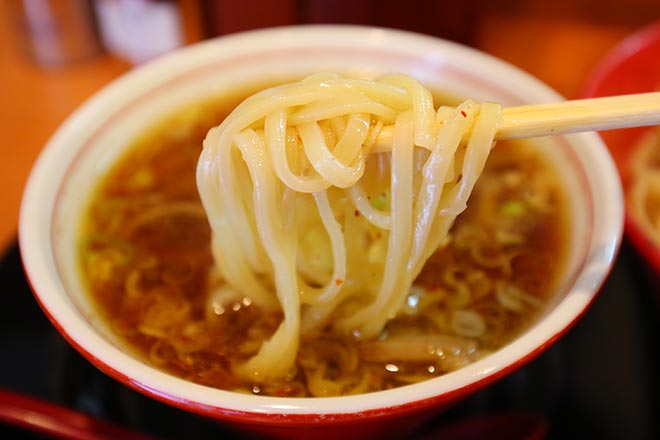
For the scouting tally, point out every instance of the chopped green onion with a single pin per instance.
(513, 208)
(380, 203)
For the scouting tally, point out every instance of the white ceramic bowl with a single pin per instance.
(95, 136)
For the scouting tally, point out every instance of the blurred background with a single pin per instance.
(56, 53)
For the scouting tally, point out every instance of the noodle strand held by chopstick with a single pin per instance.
(296, 200)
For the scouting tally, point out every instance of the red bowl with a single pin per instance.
(90, 141)
(632, 66)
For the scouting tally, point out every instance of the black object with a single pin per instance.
(601, 380)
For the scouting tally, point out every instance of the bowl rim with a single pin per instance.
(616, 58)
(270, 410)
(618, 54)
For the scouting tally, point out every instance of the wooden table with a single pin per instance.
(33, 101)
(558, 46)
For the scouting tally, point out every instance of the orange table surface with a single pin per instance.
(34, 100)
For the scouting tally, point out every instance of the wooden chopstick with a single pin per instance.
(579, 115)
(573, 116)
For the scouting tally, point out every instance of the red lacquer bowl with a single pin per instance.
(97, 134)
(632, 66)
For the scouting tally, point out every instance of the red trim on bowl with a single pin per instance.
(297, 420)
(632, 66)
(305, 419)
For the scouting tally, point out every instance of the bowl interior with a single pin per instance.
(95, 136)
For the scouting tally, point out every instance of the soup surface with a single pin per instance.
(146, 257)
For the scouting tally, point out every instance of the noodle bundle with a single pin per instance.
(308, 217)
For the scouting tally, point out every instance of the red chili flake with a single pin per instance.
(338, 282)
(357, 213)
(283, 391)
(464, 114)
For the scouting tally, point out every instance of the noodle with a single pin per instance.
(644, 194)
(296, 200)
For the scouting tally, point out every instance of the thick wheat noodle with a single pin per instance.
(289, 184)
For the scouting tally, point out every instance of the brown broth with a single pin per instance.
(146, 258)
